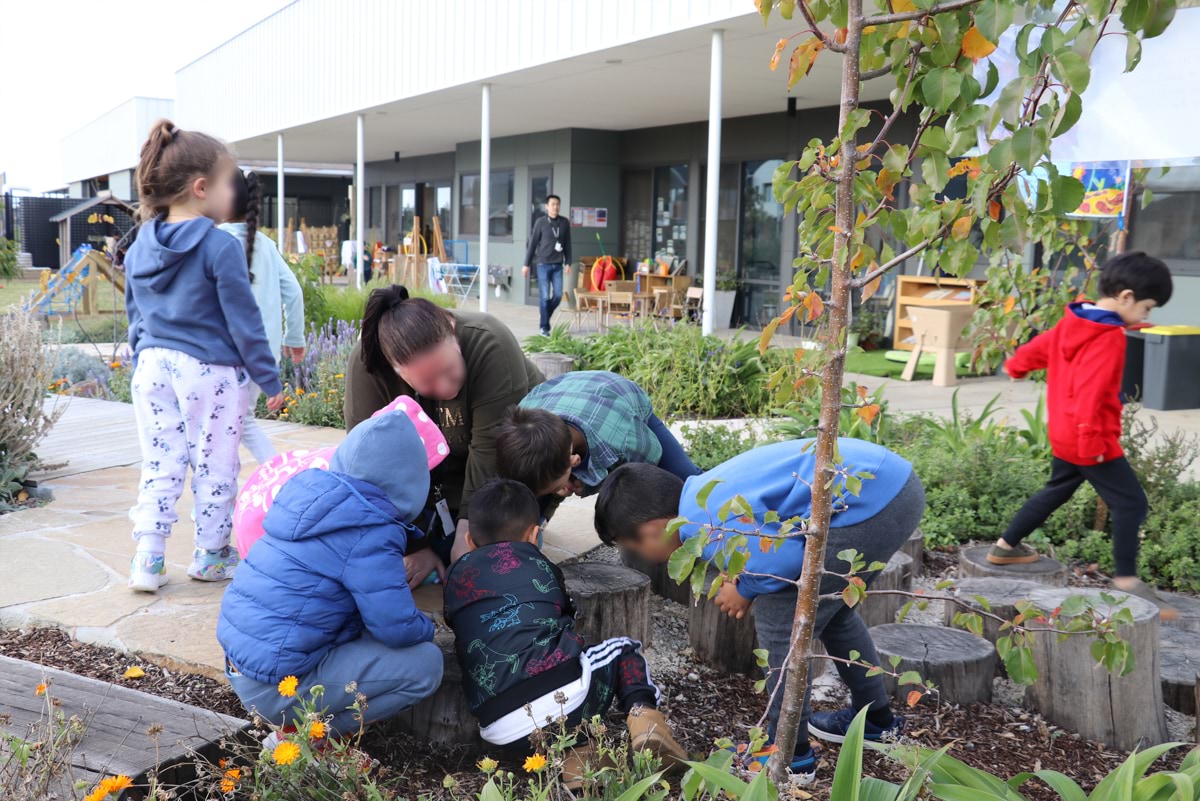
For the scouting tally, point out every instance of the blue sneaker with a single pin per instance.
(217, 565)
(147, 572)
(832, 726)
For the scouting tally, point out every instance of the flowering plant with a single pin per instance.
(315, 387)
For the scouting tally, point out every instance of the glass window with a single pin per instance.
(374, 206)
(636, 218)
(1169, 227)
(500, 217)
(539, 188)
(391, 197)
(762, 232)
(408, 209)
(727, 217)
(443, 208)
(670, 211)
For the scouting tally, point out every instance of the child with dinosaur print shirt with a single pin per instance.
(516, 642)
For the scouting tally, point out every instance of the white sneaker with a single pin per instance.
(147, 572)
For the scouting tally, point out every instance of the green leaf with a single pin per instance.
(1066, 788)
(780, 179)
(1147, 198)
(720, 779)
(895, 159)
(934, 138)
(855, 121)
(764, 8)
(680, 565)
(1020, 665)
(787, 8)
(1068, 194)
(491, 792)
(1068, 114)
(634, 793)
(1159, 16)
(954, 792)
(760, 788)
(940, 88)
(847, 777)
(1028, 146)
(993, 18)
(934, 169)
(910, 677)
(705, 491)
(1022, 43)
(1052, 39)
(1134, 14)
(1073, 70)
(1096, 9)
(993, 80)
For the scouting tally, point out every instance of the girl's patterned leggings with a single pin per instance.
(189, 413)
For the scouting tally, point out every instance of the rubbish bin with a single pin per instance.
(1171, 375)
(1133, 380)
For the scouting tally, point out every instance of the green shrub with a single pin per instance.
(26, 365)
(74, 365)
(347, 303)
(8, 259)
(685, 373)
(308, 271)
(710, 445)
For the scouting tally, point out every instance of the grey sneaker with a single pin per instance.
(1147, 593)
(1019, 554)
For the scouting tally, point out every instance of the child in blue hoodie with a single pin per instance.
(276, 291)
(322, 596)
(638, 501)
(198, 342)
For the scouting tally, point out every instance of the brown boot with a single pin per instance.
(649, 731)
(576, 763)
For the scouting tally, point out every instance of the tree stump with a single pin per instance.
(973, 563)
(1179, 659)
(914, 546)
(961, 665)
(720, 642)
(1188, 609)
(444, 718)
(1002, 596)
(661, 583)
(610, 601)
(1124, 712)
(877, 610)
(552, 364)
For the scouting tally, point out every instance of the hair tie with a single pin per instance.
(174, 130)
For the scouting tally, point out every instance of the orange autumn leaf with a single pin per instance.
(968, 167)
(994, 210)
(886, 181)
(782, 43)
(871, 287)
(1009, 304)
(961, 228)
(868, 413)
(862, 393)
(914, 697)
(787, 314)
(803, 58)
(764, 544)
(815, 306)
(857, 261)
(975, 46)
(839, 35)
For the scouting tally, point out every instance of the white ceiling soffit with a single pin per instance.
(654, 82)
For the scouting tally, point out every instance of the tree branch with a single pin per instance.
(862, 281)
(812, 23)
(908, 16)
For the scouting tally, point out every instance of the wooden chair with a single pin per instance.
(693, 301)
(621, 301)
(580, 307)
(673, 304)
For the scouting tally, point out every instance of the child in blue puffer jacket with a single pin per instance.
(323, 597)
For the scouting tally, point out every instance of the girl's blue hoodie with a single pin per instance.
(187, 288)
(776, 478)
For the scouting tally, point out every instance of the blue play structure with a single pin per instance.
(63, 291)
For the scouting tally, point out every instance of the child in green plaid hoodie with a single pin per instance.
(569, 433)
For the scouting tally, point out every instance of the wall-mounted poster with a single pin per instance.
(1104, 185)
(589, 217)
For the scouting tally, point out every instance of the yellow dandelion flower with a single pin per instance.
(41, 689)
(96, 795)
(287, 687)
(317, 730)
(534, 763)
(228, 786)
(115, 784)
(340, 375)
(299, 390)
(286, 753)
(487, 765)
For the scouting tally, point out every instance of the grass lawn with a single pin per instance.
(18, 291)
(875, 363)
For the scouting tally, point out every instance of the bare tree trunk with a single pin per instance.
(796, 667)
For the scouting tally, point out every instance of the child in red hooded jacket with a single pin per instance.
(1084, 358)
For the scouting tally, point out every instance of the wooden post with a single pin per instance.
(914, 546)
(961, 665)
(444, 718)
(973, 563)
(610, 601)
(1002, 596)
(1179, 655)
(552, 364)
(720, 642)
(879, 609)
(1072, 691)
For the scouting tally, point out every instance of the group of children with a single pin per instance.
(322, 598)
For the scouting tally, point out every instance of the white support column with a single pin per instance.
(713, 184)
(360, 206)
(280, 206)
(485, 191)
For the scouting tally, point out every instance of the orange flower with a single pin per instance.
(115, 784)
(287, 687)
(229, 783)
(534, 763)
(317, 730)
(41, 689)
(286, 753)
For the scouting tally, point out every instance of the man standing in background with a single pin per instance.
(550, 251)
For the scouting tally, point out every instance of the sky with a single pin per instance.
(66, 62)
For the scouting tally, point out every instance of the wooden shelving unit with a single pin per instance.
(919, 289)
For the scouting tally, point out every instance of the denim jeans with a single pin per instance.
(392, 679)
(838, 627)
(550, 289)
(674, 459)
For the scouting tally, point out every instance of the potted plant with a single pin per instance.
(725, 296)
(867, 329)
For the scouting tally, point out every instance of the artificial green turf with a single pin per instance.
(875, 363)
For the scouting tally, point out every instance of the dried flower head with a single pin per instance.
(487, 765)
(154, 730)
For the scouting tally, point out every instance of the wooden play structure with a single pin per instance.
(73, 288)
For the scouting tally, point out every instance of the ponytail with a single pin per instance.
(170, 160)
(247, 204)
(395, 328)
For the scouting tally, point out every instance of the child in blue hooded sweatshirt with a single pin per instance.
(198, 342)
(638, 501)
(322, 596)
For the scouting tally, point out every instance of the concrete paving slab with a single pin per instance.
(35, 570)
